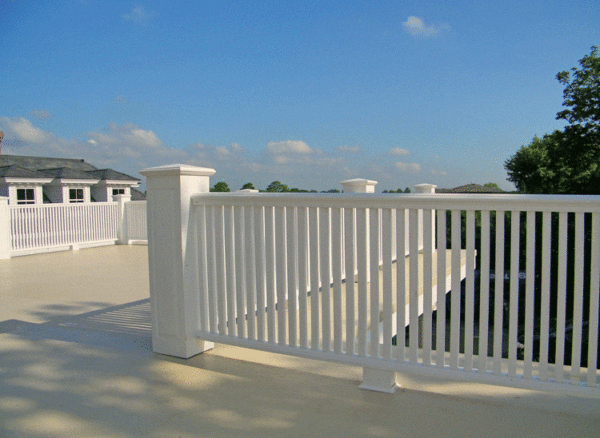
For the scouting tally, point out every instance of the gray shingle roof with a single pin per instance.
(66, 173)
(68, 168)
(109, 174)
(137, 195)
(15, 171)
(42, 163)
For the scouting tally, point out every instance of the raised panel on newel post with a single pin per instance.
(173, 257)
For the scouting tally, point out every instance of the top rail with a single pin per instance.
(553, 203)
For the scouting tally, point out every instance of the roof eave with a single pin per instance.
(67, 181)
(23, 180)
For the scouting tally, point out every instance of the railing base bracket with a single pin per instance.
(379, 380)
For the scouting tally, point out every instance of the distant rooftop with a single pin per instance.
(26, 167)
(43, 163)
(471, 188)
(66, 173)
(110, 174)
(14, 171)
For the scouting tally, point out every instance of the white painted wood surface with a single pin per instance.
(317, 276)
(41, 228)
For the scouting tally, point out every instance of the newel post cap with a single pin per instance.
(425, 188)
(177, 169)
(358, 185)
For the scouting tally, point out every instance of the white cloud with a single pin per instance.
(129, 148)
(147, 137)
(297, 153)
(236, 147)
(223, 151)
(408, 167)
(288, 147)
(398, 151)
(137, 15)
(41, 114)
(439, 172)
(348, 149)
(21, 129)
(417, 27)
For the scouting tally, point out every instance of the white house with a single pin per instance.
(38, 180)
(22, 186)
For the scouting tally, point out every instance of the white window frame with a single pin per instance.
(26, 200)
(76, 199)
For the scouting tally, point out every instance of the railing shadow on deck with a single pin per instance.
(125, 327)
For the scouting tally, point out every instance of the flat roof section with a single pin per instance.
(76, 360)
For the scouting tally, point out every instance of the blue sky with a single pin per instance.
(306, 92)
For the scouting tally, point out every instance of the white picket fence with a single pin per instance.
(296, 274)
(52, 227)
(31, 229)
(136, 228)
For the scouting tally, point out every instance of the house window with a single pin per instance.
(75, 195)
(25, 196)
(118, 192)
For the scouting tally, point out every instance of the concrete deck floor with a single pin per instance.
(76, 361)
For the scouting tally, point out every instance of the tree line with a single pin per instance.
(274, 187)
(565, 161)
(279, 187)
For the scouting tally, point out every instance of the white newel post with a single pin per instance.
(360, 185)
(174, 281)
(373, 379)
(122, 236)
(4, 229)
(425, 188)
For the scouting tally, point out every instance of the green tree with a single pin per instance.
(539, 167)
(582, 93)
(221, 186)
(566, 161)
(248, 185)
(278, 187)
(406, 190)
(492, 185)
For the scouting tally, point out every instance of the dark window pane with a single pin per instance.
(76, 195)
(25, 196)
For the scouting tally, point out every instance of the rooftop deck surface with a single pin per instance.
(76, 361)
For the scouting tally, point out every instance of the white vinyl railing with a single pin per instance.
(317, 276)
(135, 221)
(30, 229)
(274, 272)
(61, 225)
